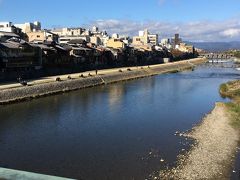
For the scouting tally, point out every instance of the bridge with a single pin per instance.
(217, 56)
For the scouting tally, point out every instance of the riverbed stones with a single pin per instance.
(211, 157)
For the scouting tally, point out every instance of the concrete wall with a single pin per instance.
(29, 92)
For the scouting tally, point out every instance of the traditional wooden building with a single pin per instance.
(16, 53)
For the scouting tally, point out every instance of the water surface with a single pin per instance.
(118, 131)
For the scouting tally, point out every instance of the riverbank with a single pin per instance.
(216, 142)
(213, 154)
(232, 90)
(10, 93)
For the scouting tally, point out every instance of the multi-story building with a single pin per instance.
(94, 36)
(95, 40)
(29, 27)
(116, 44)
(10, 28)
(42, 36)
(144, 38)
(95, 29)
(68, 34)
(66, 39)
(176, 41)
(104, 40)
(68, 31)
(166, 43)
(153, 39)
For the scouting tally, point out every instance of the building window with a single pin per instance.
(38, 36)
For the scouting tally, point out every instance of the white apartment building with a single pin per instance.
(166, 43)
(8, 27)
(153, 39)
(69, 31)
(66, 39)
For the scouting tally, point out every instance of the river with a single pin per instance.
(120, 131)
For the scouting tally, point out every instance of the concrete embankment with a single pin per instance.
(14, 92)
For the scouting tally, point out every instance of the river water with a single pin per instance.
(119, 131)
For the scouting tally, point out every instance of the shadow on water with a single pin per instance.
(121, 131)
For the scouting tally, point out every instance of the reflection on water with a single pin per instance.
(119, 131)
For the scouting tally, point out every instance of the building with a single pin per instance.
(42, 36)
(176, 41)
(95, 29)
(95, 40)
(68, 31)
(6, 26)
(185, 48)
(67, 39)
(144, 38)
(116, 44)
(126, 40)
(94, 36)
(115, 36)
(69, 34)
(144, 48)
(153, 39)
(166, 43)
(19, 54)
(29, 27)
(10, 28)
(104, 40)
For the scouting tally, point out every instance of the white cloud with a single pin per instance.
(231, 33)
(228, 30)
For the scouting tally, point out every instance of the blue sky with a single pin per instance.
(205, 20)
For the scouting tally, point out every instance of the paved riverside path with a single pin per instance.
(50, 79)
(9, 174)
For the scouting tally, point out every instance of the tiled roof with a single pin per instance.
(2, 33)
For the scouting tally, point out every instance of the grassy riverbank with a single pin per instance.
(232, 90)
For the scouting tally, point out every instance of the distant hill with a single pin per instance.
(216, 46)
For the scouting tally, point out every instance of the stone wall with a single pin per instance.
(39, 90)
